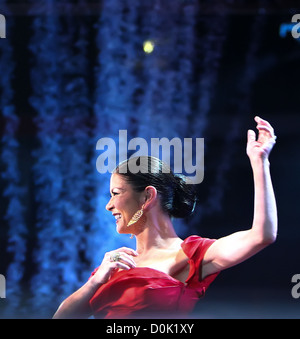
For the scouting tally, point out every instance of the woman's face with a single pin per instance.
(124, 202)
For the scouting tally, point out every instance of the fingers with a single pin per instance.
(263, 125)
(120, 265)
(127, 260)
(260, 148)
(122, 258)
(260, 120)
(251, 135)
(113, 261)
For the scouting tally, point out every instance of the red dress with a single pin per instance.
(146, 292)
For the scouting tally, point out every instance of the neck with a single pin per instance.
(158, 233)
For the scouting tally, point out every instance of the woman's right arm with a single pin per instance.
(77, 304)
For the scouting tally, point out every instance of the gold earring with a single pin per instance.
(137, 215)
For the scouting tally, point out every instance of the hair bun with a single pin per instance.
(184, 197)
(178, 196)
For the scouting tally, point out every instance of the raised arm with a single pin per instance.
(239, 246)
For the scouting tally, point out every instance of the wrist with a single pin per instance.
(260, 163)
(94, 283)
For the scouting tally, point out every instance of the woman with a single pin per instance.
(166, 274)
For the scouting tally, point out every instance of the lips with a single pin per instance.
(117, 216)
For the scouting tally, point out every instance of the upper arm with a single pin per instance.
(77, 304)
(231, 250)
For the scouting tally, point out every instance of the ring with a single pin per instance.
(115, 257)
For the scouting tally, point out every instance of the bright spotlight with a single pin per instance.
(148, 46)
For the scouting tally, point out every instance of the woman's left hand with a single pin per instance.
(260, 148)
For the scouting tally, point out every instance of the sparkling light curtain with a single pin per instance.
(90, 78)
(13, 225)
(62, 168)
(139, 92)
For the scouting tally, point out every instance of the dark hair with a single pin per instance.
(178, 197)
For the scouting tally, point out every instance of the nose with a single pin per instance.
(109, 205)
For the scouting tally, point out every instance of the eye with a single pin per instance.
(114, 193)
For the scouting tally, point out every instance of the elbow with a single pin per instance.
(270, 235)
(266, 234)
(264, 239)
(268, 239)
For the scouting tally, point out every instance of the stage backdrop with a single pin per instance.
(73, 72)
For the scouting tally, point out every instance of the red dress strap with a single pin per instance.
(195, 248)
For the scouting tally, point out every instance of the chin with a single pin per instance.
(121, 229)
